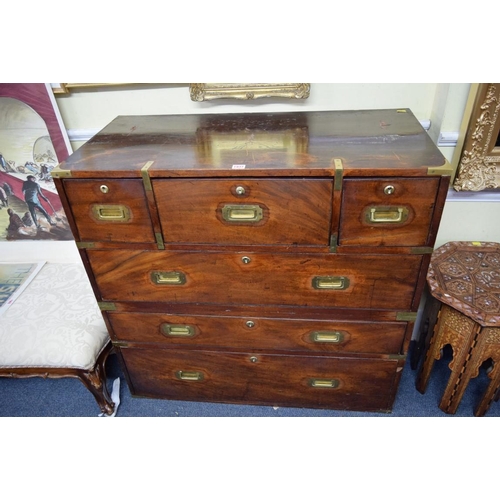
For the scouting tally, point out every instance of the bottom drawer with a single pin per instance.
(265, 379)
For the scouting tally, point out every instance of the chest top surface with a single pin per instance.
(371, 142)
(466, 276)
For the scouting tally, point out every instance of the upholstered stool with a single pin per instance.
(465, 278)
(55, 329)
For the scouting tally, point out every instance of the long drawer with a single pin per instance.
(259, 333)
(245, 211)
(326, 280)
(304, 381)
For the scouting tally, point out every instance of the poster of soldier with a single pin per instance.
(30, 208)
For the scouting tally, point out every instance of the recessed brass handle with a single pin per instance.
(335, 337)
(111, 213)
(330, 282)
(324, 383)
(189, 375)
(177, 330)
(242, 213)
(390, 215)
(168, 278)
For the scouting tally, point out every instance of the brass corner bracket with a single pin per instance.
(58, 173)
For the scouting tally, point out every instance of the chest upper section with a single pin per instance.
(292, 212)
(320, 181)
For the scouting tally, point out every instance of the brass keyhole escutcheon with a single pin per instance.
(250, 324)
(253, 359)
(240, 190)
(104, 189)
(246, 260)
(389, 189)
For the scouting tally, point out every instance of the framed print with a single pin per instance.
(33, 141)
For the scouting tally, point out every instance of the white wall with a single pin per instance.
(470, 216)
(94, 109)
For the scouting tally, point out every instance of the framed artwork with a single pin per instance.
(247, 91)
(479, 164)
(33, 141)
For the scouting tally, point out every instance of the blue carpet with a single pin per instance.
(38, 397)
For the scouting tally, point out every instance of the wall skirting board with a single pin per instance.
(448, 139)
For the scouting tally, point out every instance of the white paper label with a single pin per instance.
(238, 167)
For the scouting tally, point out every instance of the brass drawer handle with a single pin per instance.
(177, 330)
(335, 337)
(242, 213)
(168, 278)
(111, 213)
(323, 383)
(392, 215)
(330, 282)
(189, 376)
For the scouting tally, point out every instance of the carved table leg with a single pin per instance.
(457, 330)
(428, 321)
(95, 381)
(489, 348)
(432, 353)
(461, 332)
(433, 346)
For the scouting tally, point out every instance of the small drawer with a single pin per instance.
(313, 280)
(259, 333)
(387, 212)
(245, 211)
(110, 210)
(261, 378)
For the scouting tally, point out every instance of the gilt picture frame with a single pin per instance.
(247, 91)
(479, 165)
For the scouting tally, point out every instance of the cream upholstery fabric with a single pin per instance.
(55, 322)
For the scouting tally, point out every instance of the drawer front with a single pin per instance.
(110, 210)
(245, 211)
(327, 280)
(259, 333)
(307, 381)
(387, 212)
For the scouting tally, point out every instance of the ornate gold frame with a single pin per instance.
(479, 165)
(245, 91)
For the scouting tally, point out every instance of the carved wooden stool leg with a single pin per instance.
(455, 329)
(489, 394)
(460, 332)
(95, 381)
(490, 349)
(432, 353)
(428, 322)
(457, 383)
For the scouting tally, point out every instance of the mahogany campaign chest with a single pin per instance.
(274, 259)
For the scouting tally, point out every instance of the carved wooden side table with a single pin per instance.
(465, 278)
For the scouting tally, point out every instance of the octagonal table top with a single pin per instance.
(466, 276)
